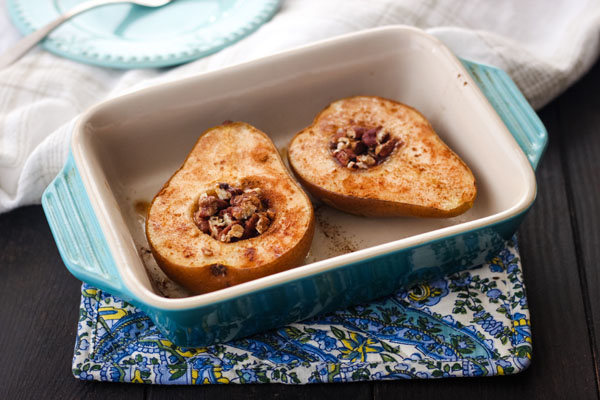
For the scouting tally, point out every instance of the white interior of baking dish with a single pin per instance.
(127, 148)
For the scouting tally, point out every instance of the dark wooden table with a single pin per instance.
(560, 249)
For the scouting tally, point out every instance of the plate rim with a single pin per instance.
(265, 9)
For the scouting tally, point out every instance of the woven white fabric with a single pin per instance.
(544, 46)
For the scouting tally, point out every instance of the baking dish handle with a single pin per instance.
(518, 116)
(77, 232)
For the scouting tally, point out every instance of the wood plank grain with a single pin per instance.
(40, 298)
(562, 361)
(40, 305)
(334, 391)
(38, 316)
(579, 120)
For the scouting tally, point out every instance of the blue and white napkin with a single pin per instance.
(473, 323)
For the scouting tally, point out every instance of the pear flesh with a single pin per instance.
(242, 156)
(421, 175)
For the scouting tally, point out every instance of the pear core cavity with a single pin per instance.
(230, 214)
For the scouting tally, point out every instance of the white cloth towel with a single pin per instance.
(544, 46)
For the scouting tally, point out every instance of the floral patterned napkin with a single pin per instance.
(472, 323)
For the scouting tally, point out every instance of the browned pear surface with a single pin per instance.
(241, 155)
(422, 176)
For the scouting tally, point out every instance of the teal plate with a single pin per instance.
(128, 36)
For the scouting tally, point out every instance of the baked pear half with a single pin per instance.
(372, 156)
(230, 214)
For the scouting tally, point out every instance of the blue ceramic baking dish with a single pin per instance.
(123, 150)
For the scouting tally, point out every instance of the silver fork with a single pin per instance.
(25, 44)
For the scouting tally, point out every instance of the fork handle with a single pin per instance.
(25, 44)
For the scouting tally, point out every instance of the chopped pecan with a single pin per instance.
(216, 225)
(342, 143)
(222, 193)
(233, 231)
(225, 211)
(233, 214)
(345, 156)
(334, 141)
(252, 197)
(370, 138)
(250, 226)
(207, 206)
(243, 211)
(384, 150)
(360, 147)
(215, 220)
(232, 190)
(383, 136)
(227, 218)
(367, 159)
(221, 204)
(358, 131)
(214, 230)
(202, 223)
